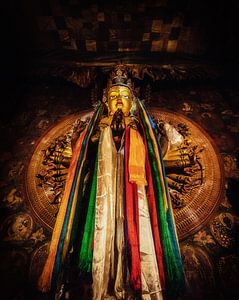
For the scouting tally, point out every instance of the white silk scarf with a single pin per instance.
(150, 281)
(108, 254)
(109, 263)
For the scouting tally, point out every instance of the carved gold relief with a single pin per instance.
(17, 227)
(56, 160)
(13, 199)
(201, 164)
(193, 169)
(223, 229)
(182, 160)
(198, 272)
(48, 167)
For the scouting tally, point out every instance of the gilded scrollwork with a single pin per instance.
(203, 238)
(223, 229)
(85, 74)
(17, 227)
(182, 159)
(193, 169)
(38, 236)
(16, 169)
(20, 228)
(56, 161)
(13, 198)
(198, 272)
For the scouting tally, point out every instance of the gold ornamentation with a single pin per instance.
(203, 239)
(13, 198)
(223, 229)
(206, 184)
(56, 161)
(51, 157)
(230, 166)
(195, 204)
(38, 236)
(17, 227)
(16, 170)
(82, 77)
(85, 73)
(198, 272)
(187, 108)
(182, 160)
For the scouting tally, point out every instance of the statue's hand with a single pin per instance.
(118, 123)
(95, 137)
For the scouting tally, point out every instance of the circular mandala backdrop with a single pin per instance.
(200, 202)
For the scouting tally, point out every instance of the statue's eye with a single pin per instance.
(113, 97)
(125, 96)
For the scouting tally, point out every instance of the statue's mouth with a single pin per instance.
(119, 102)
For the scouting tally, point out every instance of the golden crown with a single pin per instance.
(120, 76)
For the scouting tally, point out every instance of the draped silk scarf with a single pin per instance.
(173, 268)
(150, 280)
(129, 213)
(107, 265)
(144, 271)
(62, 231)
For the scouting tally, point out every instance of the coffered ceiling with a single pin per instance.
(182, 40)
(185, 28)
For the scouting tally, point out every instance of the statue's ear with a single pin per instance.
(105, 106)
(105, 100)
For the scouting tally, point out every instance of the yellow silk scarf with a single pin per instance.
(137, 158)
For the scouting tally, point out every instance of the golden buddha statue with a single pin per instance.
(126, 239)
(120, 106)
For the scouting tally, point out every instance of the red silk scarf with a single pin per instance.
(132, 221)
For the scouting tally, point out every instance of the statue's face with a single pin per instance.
(119, 97)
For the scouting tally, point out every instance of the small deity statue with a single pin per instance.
(20, 228)
(115, 220)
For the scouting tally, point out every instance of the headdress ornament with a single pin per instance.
(120, 76)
